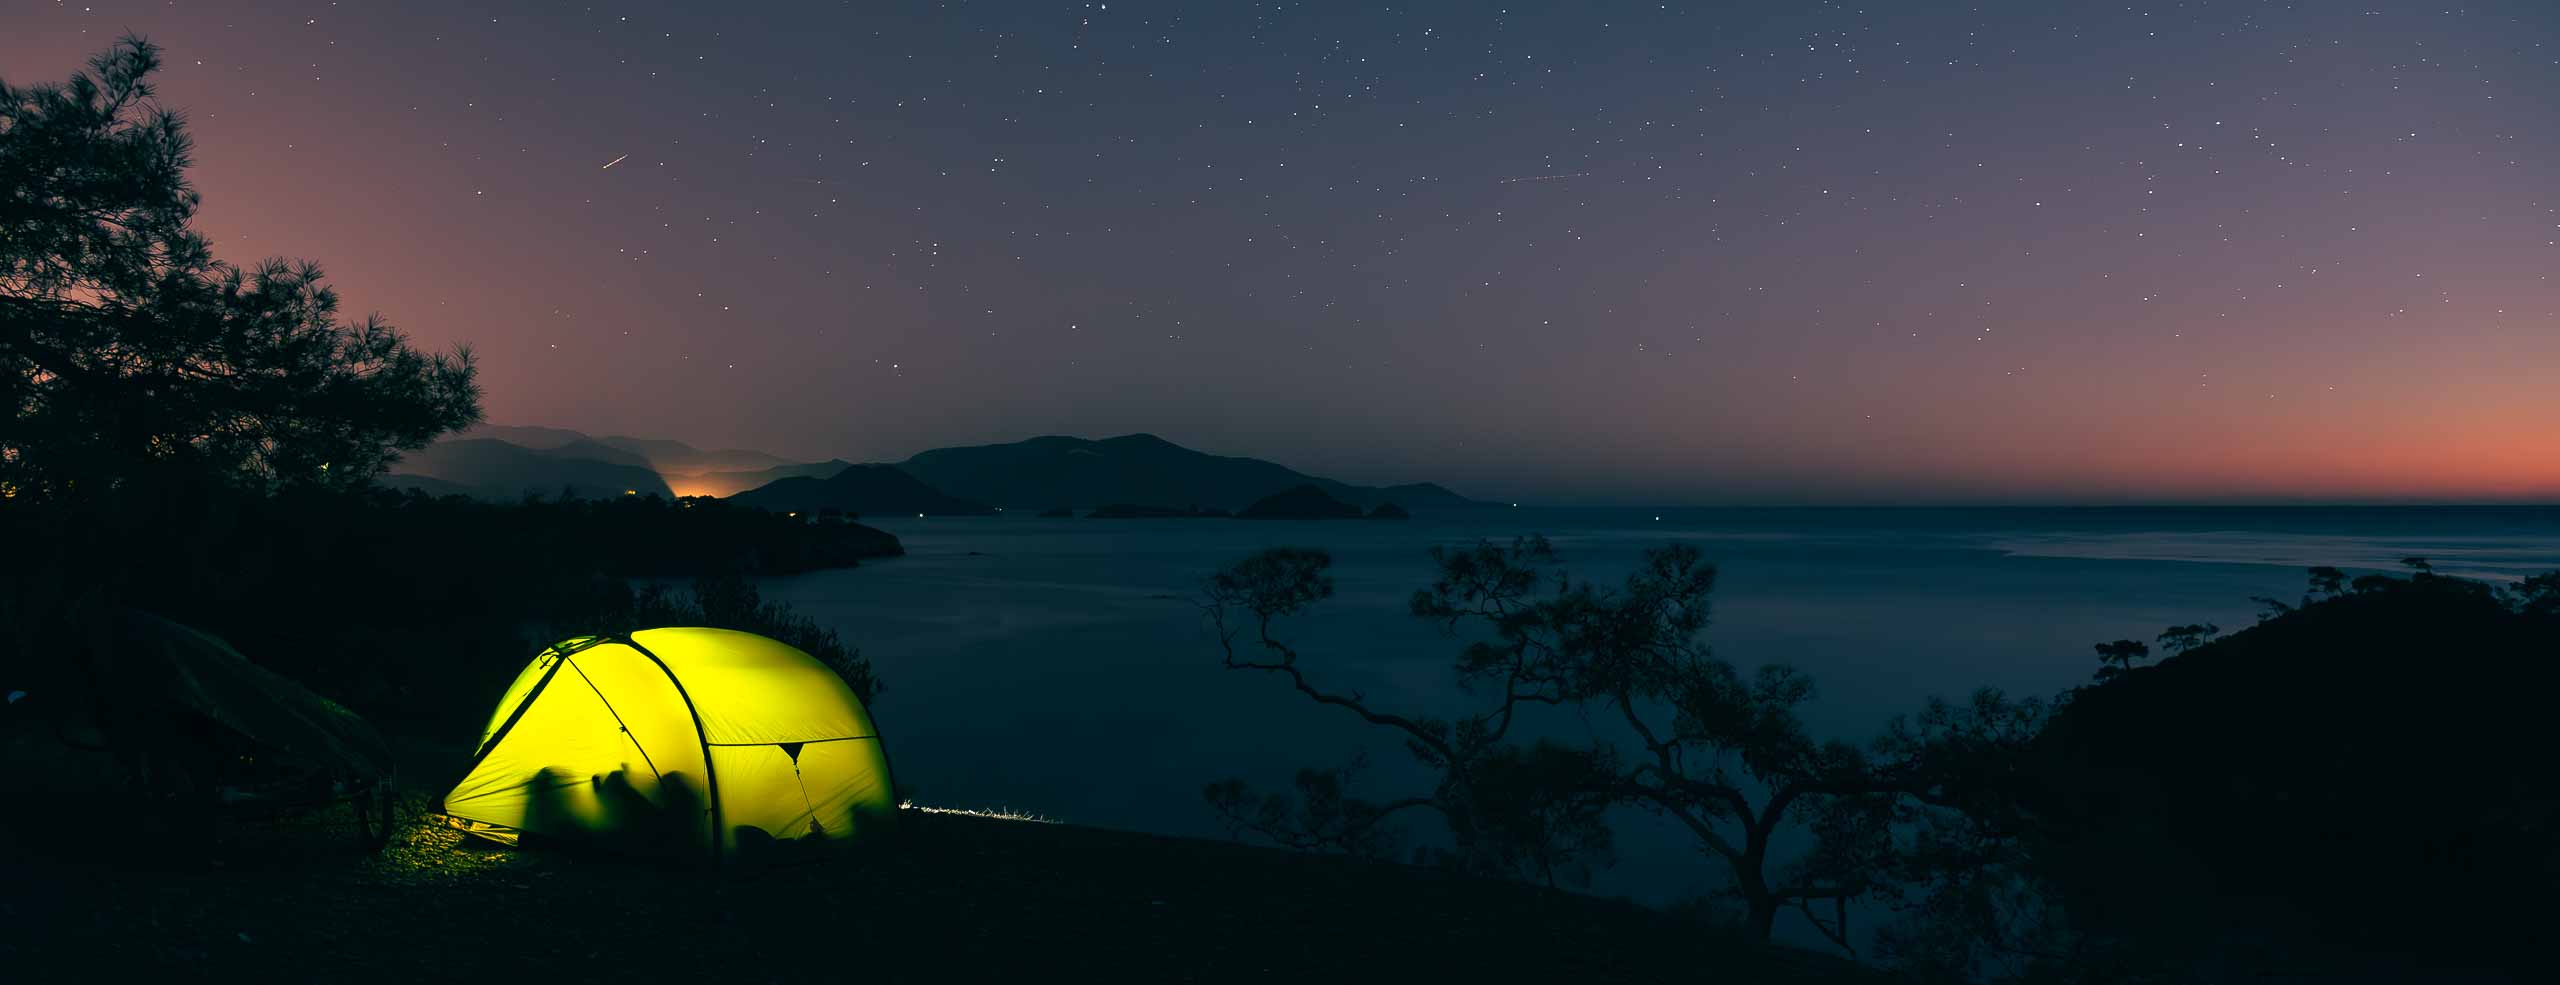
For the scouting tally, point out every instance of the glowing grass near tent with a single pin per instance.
(998, 814)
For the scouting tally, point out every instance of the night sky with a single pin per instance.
(1776, 252)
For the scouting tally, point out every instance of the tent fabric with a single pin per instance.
(677, 739)
(200, 672)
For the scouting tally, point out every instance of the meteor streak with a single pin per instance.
(613, 162)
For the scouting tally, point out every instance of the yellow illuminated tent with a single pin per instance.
(677, 740)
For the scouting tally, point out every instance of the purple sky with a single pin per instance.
(1625, 252)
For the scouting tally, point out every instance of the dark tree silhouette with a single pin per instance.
(2180, 639)
(2118, 657)
(126, 348)
(149, 387)
(2538, 596)
(1476, 764)
(1722, 752)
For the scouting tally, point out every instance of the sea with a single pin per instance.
(1062, 668)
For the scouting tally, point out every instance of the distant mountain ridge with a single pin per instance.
(1053, 471)
(489, 468)
(727, 484)
(497, 461)
(558, 457)
(521, 435)
(678, 457)
(597, 451)
(665, 456)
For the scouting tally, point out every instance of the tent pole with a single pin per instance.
(710, 772)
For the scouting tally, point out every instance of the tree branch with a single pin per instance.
(1288, 665)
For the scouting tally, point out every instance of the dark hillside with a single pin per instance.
(412, 611)
(951, 898)
(2355, 779)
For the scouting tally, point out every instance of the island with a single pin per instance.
(880, 490)
(1307, 502)
(1135, 469)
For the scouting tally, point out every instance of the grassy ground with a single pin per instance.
(952, 897)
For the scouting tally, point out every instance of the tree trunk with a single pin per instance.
(1764, 914)
(1750, 877)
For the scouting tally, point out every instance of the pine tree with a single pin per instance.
(127, 349)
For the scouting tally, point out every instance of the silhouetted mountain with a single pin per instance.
(522, 435)
(1299, 503)
(687, 470)
(868, 490)
(733, 483)
(1040, 473)
(678, 458)
(1389, 511)
(1135, 468)
(1426, 493)
(662, 455)
(492, 469)
(597, 451)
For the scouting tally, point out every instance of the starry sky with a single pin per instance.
(1590, 252)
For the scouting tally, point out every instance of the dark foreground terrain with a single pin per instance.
(952, 898)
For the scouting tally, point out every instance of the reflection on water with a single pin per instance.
(1058, 666)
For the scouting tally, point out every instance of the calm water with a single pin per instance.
(1059, 666)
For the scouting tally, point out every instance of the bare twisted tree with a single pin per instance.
(1722, 752)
